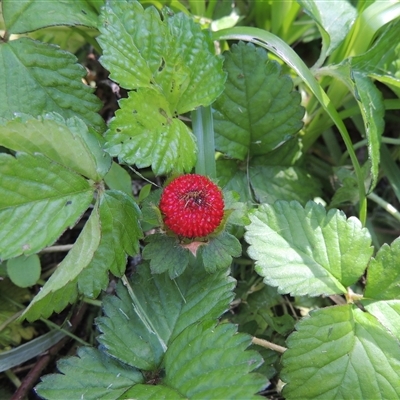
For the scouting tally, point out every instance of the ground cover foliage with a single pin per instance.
(291, 108)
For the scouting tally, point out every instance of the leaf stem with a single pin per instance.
(268, 345)
(203, 129)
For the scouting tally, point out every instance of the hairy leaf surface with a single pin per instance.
(339, 353)
(144, 132)
(258, 110)
(306, 251)
(39, 199)
(67, 142)
(37, 78)
(90, 375)
(138, 332)
(208, 361)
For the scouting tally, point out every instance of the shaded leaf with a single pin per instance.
(37, 78)
(61, 288)
(24, 271)
(341, 352)
(167, 307)
(273, 182)
(258, 110)
(28, 15)
(383, 278)
(39, 199)
(117, 178)
(67, 142)
(334, 21)
(144, 132)
(307, 250)
(152, 392)
(91, 375)
(217, 253)
(120, 234)
(166, 254)
(208, 361)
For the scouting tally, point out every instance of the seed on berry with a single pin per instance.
(192, 206)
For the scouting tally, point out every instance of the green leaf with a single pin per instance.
(168, 305)
(37, 78)
(173, 56)
(67, 142)
(306, 251)
(166, 254)
(339, 353)
(24, 271)
(383, 278)
(217, 253)
(144, 132)
(207, 361)
(150, 392)
(370, 101)
(333, 22)
(273, 182)
(117, 178)
(258, 110)
(92, 375)
(387, 312)
(28, 15)
(120, 234)
(61, 288)
(39, 199)
(381, 61)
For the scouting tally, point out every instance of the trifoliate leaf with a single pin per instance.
(334, 23)
(139, 331)
(24, 271)
(307, 251)
(61, 288)
(271, 183)
(90, 375)
(208, 361)
(37, 78)
(258, 110)
(144, 132)
(172, 57)
(39, 199)
(383, 278)
(166, 254)
(67, 142)
(339, 353)
(217, 253)
(28, 15)
(120, 234)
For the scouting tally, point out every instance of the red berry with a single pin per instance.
(192, 205)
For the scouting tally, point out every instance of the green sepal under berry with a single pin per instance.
(140, 335)
(169, 253)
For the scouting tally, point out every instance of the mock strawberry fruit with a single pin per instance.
(192, 206)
